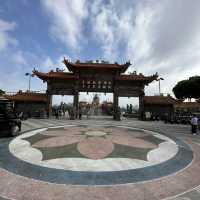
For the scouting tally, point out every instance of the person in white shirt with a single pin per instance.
(194, 124)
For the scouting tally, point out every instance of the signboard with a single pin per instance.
(96, 85)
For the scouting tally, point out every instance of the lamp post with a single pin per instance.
(160, 79)
(29, 81)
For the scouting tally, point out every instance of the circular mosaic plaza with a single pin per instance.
(94, 155)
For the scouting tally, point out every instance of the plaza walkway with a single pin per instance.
(181, 185)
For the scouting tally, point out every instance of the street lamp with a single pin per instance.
(29, 82)
(160, 79)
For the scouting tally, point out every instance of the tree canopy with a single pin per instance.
(2, 92)
(189, 88)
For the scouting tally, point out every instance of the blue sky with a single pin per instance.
(157, 36)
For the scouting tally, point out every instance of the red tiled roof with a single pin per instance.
(2, 98)
(54, 75)
(140, 77)
(79, 65)
(188, 104)
(27, 96)
(159, 100)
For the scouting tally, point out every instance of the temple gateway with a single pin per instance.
(95, 77)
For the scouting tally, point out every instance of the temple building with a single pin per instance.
(160, 107)
(32, 104)
(191, 107)
(163, 107)
(95, 77)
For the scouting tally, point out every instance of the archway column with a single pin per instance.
(115, 105)
(49, 105)
(76, 104)
(141, 106)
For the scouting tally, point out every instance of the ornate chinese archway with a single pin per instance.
(96, 77)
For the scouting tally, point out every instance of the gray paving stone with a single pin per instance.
(192, 195)
(1, 198)
(179, 131)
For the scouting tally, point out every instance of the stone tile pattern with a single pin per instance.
(16, 187)
(93, 143)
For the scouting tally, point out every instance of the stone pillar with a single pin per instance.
(115, 105)
(141, 106)
(75, 104)
(49, 105)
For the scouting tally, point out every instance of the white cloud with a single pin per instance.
(19, 58)
(48, 64)
(66, 20)
(5, 38)
(167, 41)
(111, 26)
(17, 62)
(157, 36)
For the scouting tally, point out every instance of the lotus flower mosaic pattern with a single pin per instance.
(93, 143)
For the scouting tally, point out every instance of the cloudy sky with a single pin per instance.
(156, 36)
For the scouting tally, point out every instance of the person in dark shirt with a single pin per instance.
(194, 124)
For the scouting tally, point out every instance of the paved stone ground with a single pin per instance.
(184, 185)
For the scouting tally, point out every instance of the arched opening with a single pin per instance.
(96, 105)
(129, 106)
(61, 104)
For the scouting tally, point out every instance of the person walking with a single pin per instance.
(87, 110)
(80, 113)
(56, 113)
(194, 124)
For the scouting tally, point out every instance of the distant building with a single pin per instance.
(96, 100)
(32, 104)
(162, 106)
(190, 107)
(107, 108)
(159, 106)
(83, 106)
(83, 103)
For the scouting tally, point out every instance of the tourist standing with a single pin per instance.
(56, 113)
(88, 111)
(194, 124)
(80, 113)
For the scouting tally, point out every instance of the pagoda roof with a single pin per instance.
(139, 77)
(97, 66)
(160, 100)
(27, 96)
(188, 104)
(54, 75)
(2, 98)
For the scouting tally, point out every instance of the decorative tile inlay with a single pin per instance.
(107, 144)
(101, 154)
(93, 143)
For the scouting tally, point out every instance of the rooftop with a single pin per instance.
(160, 100)
(139, 77)
(2, 98)
(27, 96)
(187, 104)
(55, 75)
(96, 65)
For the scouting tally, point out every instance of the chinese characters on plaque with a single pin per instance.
(91, 84)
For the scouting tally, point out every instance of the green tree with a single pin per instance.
(195, 86)
(2, 92)
(188, 88)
